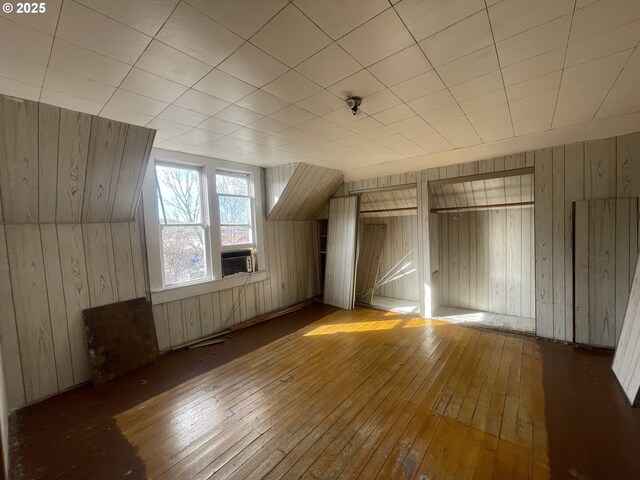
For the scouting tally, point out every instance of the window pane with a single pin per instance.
(183, 251)
(232, 184)
(178, 195)
(234, 210)
(235, 235)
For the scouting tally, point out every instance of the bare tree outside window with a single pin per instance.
(234, 202)
(180, 217)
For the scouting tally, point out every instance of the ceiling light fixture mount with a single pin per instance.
(353, 103)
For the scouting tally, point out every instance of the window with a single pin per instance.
(234, 203)
(182, 230)
(195, 209)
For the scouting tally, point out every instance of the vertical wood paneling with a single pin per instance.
(32, 310)
(191, 318)
(544, 241)
(100, 263)
(341, 246)
(369, 256)
(76, 295)
(161, 327)
(19, 160)
(123, 261)
(558, 247)
(600, 169)
(57, 307)
(73, 148)
(48, 135)
(628, 165)
(106, 147)
(8, 331)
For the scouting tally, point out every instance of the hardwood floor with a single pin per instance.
(360, 394)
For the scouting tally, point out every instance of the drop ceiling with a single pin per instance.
(264, 81)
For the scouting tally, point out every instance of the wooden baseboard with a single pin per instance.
(248, 323)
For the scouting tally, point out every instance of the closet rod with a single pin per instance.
(480, 207)
(389, 210)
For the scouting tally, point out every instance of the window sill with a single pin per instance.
(171, 294)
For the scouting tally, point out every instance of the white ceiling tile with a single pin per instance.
(146, 16)
(527, 104)
(401, 66)
(87, 28)
(360, 84)
(477, 86)
(408, 124)
(419, 86)
(426, 17)
(197, 35)
(364, 124)
(290, 37)
(43, 22)
(196, 136)
(136, 103)
(458, 131)
(551, 81)
(596, 46)
(218, 125)
(377, 39)
(182, 115)
(201, 102)
(79, 61)
(169, 63)
(77, 86)
(238, 114)
(589, 88)
(534, 67)
(510, 17)
(530, 43)
(292, 87)
(244, 17)
(262, 102)
(329, 65)
(483, 102)
(603, 16)
(19, 89)
(293, 134)
(463, 38)
(395, 114)
(224, 86)
(630, 74)
(472, 66)
(292, 115)
(321, 103)
(337, 17)
(21, 70)
(126, 116)
(610, 64)
(248, 134)
(573, 115)
(150, 85)
(71, 102)
(342, 116)
(166, 128)
(269, 125)
(227, 143)
(380, 101)
(434, 101)
(250, 64)
(433, 143)
(442, 114)
(419, 132)
(525, 122)
(22, 42)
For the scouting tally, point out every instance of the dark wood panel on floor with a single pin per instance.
(337, 394)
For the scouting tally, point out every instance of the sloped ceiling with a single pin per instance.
(389, 203)
(305, 194)
(264, 81)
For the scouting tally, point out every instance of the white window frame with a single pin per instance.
(161, 293)
(252, 220)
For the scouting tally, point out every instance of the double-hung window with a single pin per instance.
(198, 209)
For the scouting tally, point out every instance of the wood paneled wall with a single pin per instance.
(597, 169)
(276, 178)
(606, 248)
(48, 274)
(339, 284)
(292, 262)
(305, 193)
(4, 423)
(627, 357)
(400, 238)
(370, 245)
(487, 260)
(61, 166)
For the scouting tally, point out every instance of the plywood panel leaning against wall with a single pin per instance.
(64, 178)
(306, 192)
(369, 256)
(606, 244)
(626, 361)
(341, 252)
